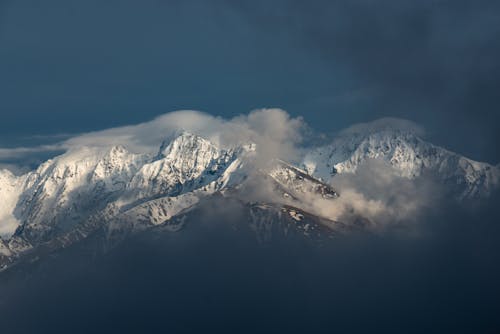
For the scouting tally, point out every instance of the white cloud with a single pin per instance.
(273, 130)
(377, 192)
(387, 123)
(18, 152)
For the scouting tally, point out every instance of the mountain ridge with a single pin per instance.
(70, 196)
(409, 154)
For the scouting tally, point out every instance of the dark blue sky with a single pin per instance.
(71, 66)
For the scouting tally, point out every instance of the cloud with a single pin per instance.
(17, 152)
(432, 61)
(221, 276)
(274, 131)
(383, 124)
(8, 226)
(20, 160)
(378, 193)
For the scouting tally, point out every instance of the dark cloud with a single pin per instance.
(431, 61)
(72, 66)
(75, 66)
(210, 277)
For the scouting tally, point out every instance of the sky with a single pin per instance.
(69, 67)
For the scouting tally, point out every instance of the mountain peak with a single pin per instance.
(72, 195)
(408, 154)
(117, 150)
(183, 142)
(6, 174)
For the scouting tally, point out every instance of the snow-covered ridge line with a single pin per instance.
(410, 155)
(65, 190)
(298, 181)
(68, 197)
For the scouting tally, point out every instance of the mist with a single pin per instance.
(379, 193)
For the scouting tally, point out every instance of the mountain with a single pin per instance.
(113, 192)
(409, 155)
(82, 191)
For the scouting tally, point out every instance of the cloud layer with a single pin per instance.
(274, 131)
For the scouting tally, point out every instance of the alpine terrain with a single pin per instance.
(113, 192)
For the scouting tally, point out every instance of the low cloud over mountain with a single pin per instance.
(123, 180)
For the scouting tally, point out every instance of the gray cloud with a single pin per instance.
(431, 61)
(334, 62)
(159, 281)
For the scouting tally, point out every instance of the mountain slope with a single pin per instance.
(117, 192)
(72, 195)
(10, 190)
(410, 155)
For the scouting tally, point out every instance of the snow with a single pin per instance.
(71, 195)
(298, 183)
(4, 249)
(410, 155)
(297, 216)
(10, 189)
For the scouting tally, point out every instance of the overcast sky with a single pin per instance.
(74, 66)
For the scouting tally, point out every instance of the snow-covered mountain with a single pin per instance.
(116, 192)
(410, 155)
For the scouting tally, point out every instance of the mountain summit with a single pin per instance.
(115, 192)
(409, 155)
